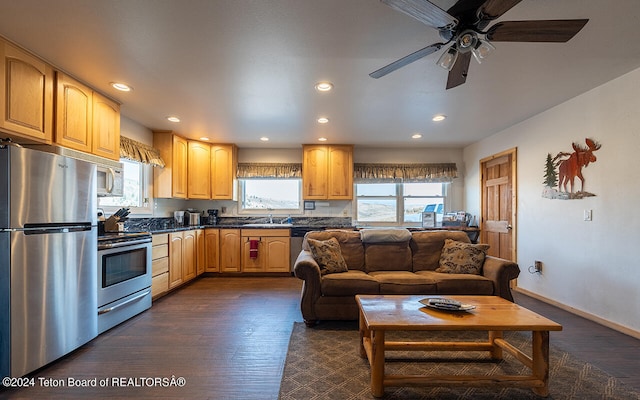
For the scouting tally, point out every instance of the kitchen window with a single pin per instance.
(273, 196)
(136, 178)
(398, 203)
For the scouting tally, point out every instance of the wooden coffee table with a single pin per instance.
(379, 314)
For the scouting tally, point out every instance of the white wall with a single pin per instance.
(589, 266)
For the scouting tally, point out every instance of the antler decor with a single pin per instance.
(569, 166)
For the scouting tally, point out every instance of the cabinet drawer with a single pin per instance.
(159, 284)
(159, 251)
(265, 232)
(159, 266)
(162, 238)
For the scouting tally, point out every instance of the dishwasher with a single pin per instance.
(297, 236)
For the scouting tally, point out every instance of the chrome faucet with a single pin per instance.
(271, 218)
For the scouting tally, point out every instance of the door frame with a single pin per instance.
(513, 152)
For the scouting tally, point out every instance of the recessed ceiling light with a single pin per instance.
(206, 139)
(264, 139)
(173, 119)
(439, 117)
(322, 139)
(416, 136)
(123, 87)
(324, 86)
(323, 120)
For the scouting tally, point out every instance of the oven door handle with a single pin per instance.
(106, 310)
(123, 244)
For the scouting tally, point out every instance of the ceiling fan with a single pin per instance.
(464, 25)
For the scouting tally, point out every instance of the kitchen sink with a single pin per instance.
(267, 225)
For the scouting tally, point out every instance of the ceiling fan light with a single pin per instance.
(482, 50)
(448, 58)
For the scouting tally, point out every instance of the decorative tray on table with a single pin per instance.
(441, 303)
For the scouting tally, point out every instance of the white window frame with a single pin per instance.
(146, 209)
(274, 212)
(399, 199)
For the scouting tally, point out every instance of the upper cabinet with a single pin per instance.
(327, 172)
(199, 170)
(170, 181)
(74, 105)
(106, 127)
(26, 95)
(224, 165)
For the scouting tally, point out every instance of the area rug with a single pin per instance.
(323, 363)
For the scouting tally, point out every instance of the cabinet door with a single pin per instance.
(340, 175)
(74, 105)
(223, 171)
(314, 172)
(229, 250)
(175, 259)
(26, 94)
(200, 252)
(199, 170)
(179, 171)
(277, 252)
(189, 255)
(106, 127)
(212, 250)
(253, 264)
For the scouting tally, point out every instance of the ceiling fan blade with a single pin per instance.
(536, 31)
(493, 9)
(425, 12)
(458, 74)
(406, 60)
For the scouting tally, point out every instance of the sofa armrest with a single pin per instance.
(501, 272)
(307, 269)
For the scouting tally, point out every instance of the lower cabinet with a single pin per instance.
(201, 260)
(159, 264)
(212, 250)
(271, 250)
(183, 255)
(229, 250)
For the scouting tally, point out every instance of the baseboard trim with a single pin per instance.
(586, 315)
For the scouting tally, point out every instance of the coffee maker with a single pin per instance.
(212, 218)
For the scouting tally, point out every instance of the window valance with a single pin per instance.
(136, 151)
(404, 172)
(269, 170)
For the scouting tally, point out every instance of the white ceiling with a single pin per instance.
(237, 70)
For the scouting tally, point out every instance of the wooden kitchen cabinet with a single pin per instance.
(106, 127)
(230, 250)
(201, 260)
(74, 113)
(212, 249)
(199, 170)
(224, 164)
(159, 264)
(189, 255)
(175, 259)
(327, 172)
(170, 181)
(273, 250)
(26, 95)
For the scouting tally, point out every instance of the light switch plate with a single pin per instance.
(587, 215)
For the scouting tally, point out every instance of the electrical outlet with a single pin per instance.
(587, 215)
(537, 266)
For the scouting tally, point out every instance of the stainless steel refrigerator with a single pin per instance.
(48, 257)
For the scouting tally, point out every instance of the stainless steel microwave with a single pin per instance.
(110, 180)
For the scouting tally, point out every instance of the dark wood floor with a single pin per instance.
(228, 337)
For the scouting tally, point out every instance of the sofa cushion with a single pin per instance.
(348, 283)
(404, 282)
(460, 283)
(387, 257)
(350, 245)
(462, 258)
(328, 255)
(427, 245)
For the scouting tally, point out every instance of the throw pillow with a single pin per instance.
(462, 258)
(328, 255)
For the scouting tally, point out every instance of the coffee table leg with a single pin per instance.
(540, 358)
(496, 351)
(364, 332)
(377, 363)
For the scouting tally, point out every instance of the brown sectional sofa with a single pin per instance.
(390, 268)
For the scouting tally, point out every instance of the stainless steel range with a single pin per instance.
(124, 277)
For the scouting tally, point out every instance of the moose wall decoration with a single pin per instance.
(562, 170)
